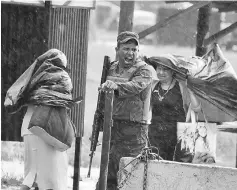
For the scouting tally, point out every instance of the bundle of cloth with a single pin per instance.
(45, 82)
(46, 85)
(212, 79)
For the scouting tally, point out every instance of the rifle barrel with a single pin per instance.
(99, 116)
(91, 158)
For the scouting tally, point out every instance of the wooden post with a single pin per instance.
(77, 163)
(236, 154)
(202, 29)
(108, 122)
(126, 16)
(220, 34)
(47, 18)
(171, 19)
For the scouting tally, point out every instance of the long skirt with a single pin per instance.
(45, 167)
(163, 135)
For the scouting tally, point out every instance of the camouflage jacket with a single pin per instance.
(132, 99)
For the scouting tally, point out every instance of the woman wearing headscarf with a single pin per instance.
(170, 101)
(45, 84)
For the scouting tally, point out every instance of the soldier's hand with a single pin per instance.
(109, 85)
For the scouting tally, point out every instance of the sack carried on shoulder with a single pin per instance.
(194, 138)
(53, 125)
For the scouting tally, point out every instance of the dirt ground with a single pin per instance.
(12, 175)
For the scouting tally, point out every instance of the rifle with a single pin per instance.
(99, 113)
(108, 122)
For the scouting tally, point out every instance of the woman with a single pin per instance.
(170, 101)
(45, 83)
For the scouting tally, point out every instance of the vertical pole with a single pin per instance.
(236, 152)
(46, 19)
(77, 163)
(109, 96)
(126, 16)
(202, 29)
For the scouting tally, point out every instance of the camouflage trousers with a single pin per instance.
(127, 140)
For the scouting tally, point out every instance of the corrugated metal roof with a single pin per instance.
(54, 3)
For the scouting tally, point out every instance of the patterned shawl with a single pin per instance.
(45, 82)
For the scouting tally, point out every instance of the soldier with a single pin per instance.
(131, 79)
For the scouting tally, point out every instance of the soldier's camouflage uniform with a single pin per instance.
(131, 115)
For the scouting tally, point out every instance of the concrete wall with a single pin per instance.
(166, 175)
(226, 145)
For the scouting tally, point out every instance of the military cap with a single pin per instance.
(123, 37)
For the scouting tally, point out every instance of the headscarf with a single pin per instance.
(45, 82)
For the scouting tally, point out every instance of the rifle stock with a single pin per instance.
(99, 113)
